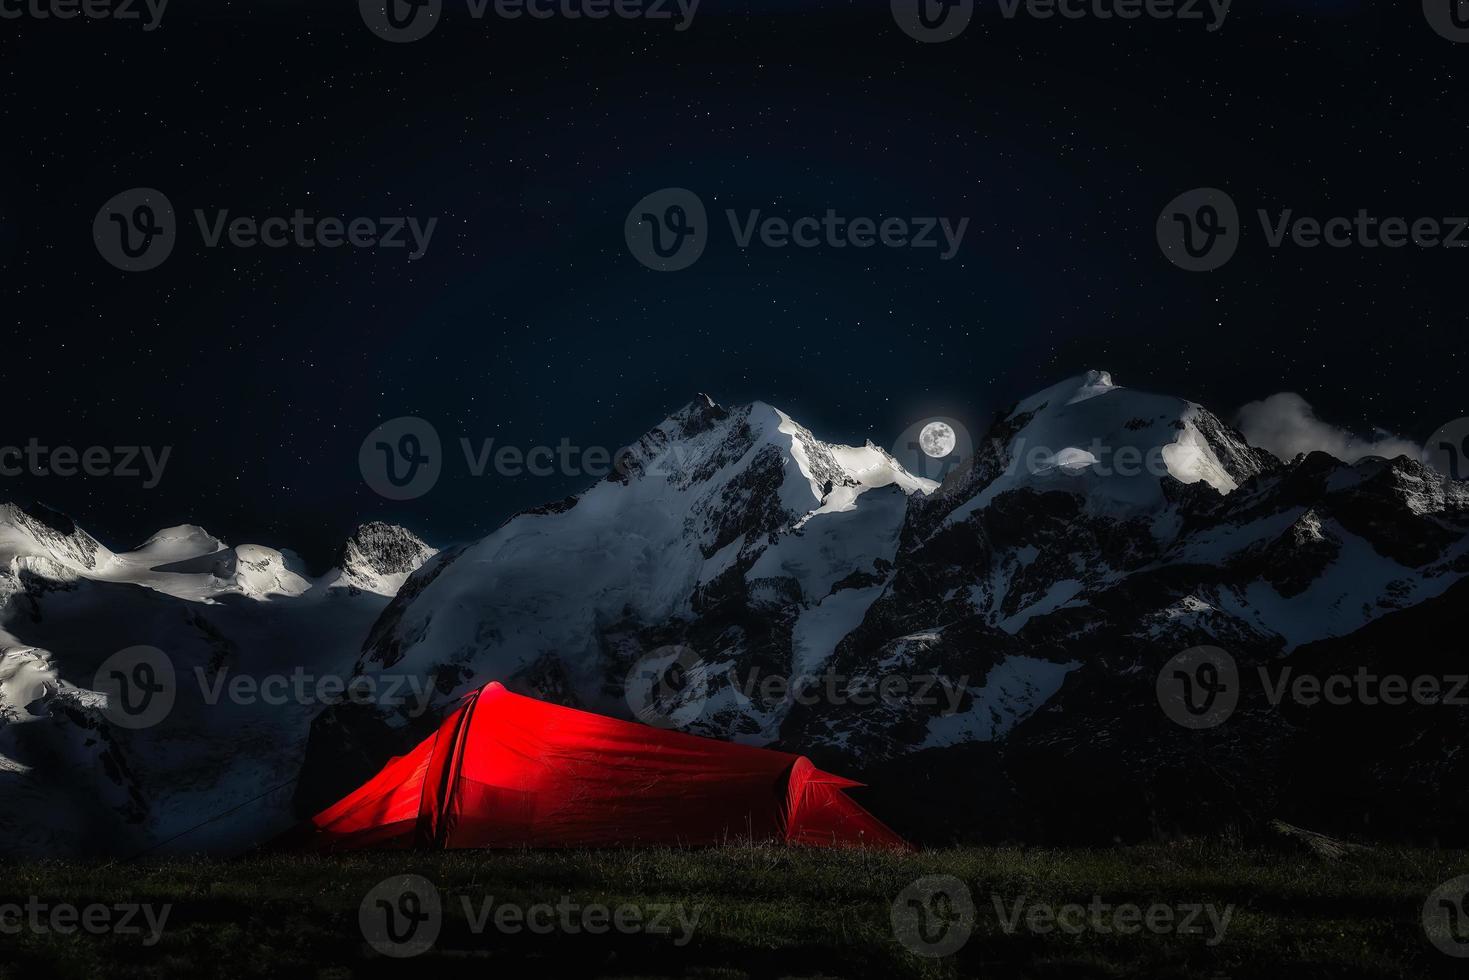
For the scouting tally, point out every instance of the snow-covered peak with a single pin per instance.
(712, 501)
(181, 543)
(37, 534)
(1116, 446)
(379, 558)
(187, 562)
(706, 444)
(1069, 392)
(838, 475)
(67, 604)
(262, 573)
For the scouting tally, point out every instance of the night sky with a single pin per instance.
(528, 320)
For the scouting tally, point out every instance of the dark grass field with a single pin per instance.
(761, 912)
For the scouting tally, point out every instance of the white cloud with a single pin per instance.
(1285, 424)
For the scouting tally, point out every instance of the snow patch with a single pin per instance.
(1190, 459)
(1059, 593)
(1012, 691)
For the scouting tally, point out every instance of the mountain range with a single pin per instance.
(994, 654)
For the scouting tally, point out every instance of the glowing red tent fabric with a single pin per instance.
(509, 771)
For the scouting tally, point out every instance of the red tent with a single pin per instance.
(509, 771)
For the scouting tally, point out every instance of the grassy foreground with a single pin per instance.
(761, 912)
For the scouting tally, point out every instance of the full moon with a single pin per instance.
(937, 439)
